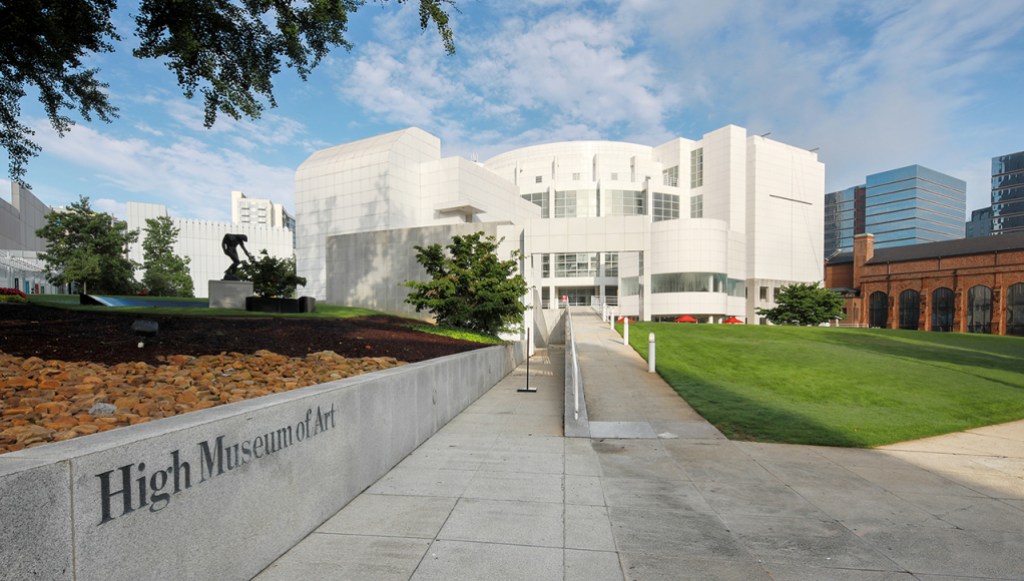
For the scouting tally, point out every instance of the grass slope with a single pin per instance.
(838, 387)
(323, 310)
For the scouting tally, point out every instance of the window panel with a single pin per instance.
(697, 168)
(666, 207)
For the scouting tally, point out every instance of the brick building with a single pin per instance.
(974, 285)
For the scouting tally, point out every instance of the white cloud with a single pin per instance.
(875, 84)
(113, 207)
(192, 178)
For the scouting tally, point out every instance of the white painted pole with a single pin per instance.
(611, 320)
(650, 353)
(625, 331)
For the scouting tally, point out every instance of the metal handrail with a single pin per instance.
(575, 363)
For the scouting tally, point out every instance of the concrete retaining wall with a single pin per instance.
(221, 493)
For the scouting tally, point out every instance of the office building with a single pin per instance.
(1008, 193)
(246, 210)
(980, 223)
(907, 205)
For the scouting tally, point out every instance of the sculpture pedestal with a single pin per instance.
(229, 294)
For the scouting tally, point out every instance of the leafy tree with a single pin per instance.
(804, 304)
(227, 50)
(89, 248)
(470, 286)
(271, 276)
(165, 273)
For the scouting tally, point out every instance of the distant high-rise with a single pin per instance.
(980, 223)
(1008, 193)
(844, 217)
(259, 212)
(908, 205)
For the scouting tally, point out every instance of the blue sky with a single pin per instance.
(874, 85)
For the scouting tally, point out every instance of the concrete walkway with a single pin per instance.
(658, 493)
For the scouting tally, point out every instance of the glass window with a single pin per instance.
(576, 176)
(577, 204)
(545, 266)
(697, 206)
(578, 296)
(1015, 309)
(581, 264)
(541, 199)
(942, 310)
(979, 309)
(611, 264)
(666, 207)
(615, 176)
(625, 203)
(670, 176)
(736, 288)
(688, 282)
(630, 286)
(697, 168)
(910, 309)
(764, 293)
(879, 313)
(538, 179)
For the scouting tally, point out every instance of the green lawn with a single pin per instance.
(323, 311)
(70, 302)
(838, 387)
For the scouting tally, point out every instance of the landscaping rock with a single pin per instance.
(52, 401)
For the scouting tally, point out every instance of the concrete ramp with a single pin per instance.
(624, 401)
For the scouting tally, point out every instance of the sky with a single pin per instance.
(871, 85)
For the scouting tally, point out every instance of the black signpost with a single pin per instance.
(527, 388)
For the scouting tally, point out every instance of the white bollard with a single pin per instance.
(611, 320)
(625, 331)
(650, 353)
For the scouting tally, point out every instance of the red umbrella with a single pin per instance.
(732, 321)
(686, 319)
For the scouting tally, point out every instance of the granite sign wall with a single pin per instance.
(222, 492)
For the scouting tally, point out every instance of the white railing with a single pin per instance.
(571, 345)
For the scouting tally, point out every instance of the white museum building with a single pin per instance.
(200, 240)
(708, 228)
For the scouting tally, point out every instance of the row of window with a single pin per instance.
(979, 309)
(580, 265)
(614, 176)
(686, 282)
(587, 204)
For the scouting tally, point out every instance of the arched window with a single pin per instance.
(910, 309)
(1015, 309)
(979, 309)
(879, 313)
(942, 310)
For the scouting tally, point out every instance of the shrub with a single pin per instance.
(271, 277)
(12, 295)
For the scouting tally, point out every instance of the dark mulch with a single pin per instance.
(30, 330)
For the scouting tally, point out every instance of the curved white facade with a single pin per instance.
(704, 228)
